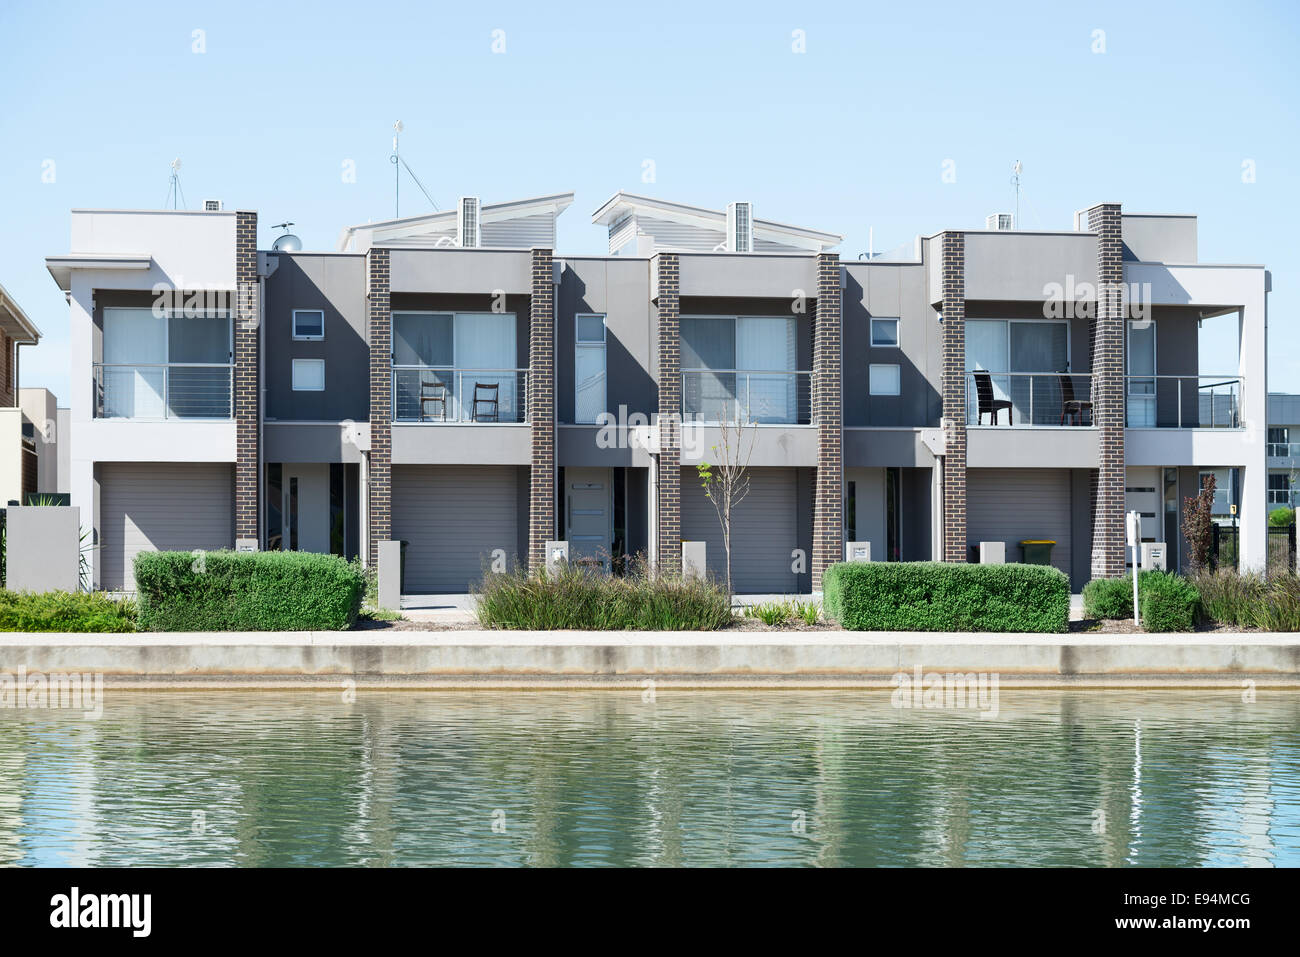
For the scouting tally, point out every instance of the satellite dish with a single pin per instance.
(288, 243)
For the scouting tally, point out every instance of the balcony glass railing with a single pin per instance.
(163, 391)
(1182, 402)
(1284, 450)
(1279, 496)
(441, 395)
(1028, 398)
(747, 396)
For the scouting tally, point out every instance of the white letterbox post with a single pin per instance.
(1154, 556)
(993, 553)
(695, 560)
(1133, 533)
(557, 554)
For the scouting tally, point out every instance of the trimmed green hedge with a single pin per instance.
(1167, 602)
(64, 611)
(946, 596)
(247, 591)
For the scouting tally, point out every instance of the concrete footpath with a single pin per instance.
(503, 659)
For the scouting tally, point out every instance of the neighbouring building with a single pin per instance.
(453, 381)
(29, 426)
(1283, 450)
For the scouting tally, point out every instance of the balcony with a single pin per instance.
(1028, 399)
(1182, 402)
(440, 395)
(747, 396)
(163, 391)
(1283, 450)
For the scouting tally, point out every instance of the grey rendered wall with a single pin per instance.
(620, 289)
(43, 548)
(1157, 238)
(888, 291)
(63, 424)
(337, 285)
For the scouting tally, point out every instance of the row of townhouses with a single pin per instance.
(452, 381)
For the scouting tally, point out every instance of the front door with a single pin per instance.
(1144, 494)
(588, 510)
(305, 491)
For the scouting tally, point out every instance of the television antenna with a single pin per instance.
(1016, 169)
(398, 165)
(174, 192)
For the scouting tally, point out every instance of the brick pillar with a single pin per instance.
(1108, 394)
(246, 397)
(541, 408)
(954, 396)
(669, 475)
(827, 413)
(379, 322)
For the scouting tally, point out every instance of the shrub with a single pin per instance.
(1280, 608)
(253, 591)
(1198, 524)
(1250, 600)
(942, 596)
(1168, 602)
(65, 611)
(1108, 598)
(809, 611)
(580, 598)
(1281, 517)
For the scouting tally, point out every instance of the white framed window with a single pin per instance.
(308, 375)
(884, 378)
(884, 333)
(590, 389)
(309, 324)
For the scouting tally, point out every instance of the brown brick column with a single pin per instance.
(1108, 394)
(379, 322)
(541, 407)
(246, 398)
(954, 396)
(669, 475)
(827, 414)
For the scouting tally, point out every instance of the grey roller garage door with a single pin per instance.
(162, 507)
(1011, 505)
(764, 530)
(454, 518)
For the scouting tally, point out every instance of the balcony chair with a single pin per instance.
(987, 404)
(487, 407)
(433, 398)
(1070, 406)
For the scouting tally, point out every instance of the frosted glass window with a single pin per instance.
(884, 379)
(309, 375)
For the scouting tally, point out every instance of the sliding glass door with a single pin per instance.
(1020, 361)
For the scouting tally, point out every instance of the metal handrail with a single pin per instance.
(1082, 395)
(793, 376)
(514, 413)
(99, 368)
(1236, 394)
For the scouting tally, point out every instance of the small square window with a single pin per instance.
(308, 324)
(308, 375)
(591, 328)
(884, 379)
(884, 332)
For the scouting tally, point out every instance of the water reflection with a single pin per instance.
(727, 778)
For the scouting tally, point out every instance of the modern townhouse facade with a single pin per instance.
(30, 420)
(1283, 450)
(452, 381)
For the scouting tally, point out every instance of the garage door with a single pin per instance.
(454, 518)
(764, 530)
(161, 507)
(1011, 505)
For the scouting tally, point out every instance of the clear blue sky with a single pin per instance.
(851, 134)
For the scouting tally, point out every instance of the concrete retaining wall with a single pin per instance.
(504, 659)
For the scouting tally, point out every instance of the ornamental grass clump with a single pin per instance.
(580, 598)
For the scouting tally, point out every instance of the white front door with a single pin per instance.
(588, 509)
(306, 507)
(1144, 494)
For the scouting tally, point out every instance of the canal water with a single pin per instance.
(801, 778)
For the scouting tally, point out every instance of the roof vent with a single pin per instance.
(740, 227)
(467, 226)
(212, 205)
(1000, 221)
